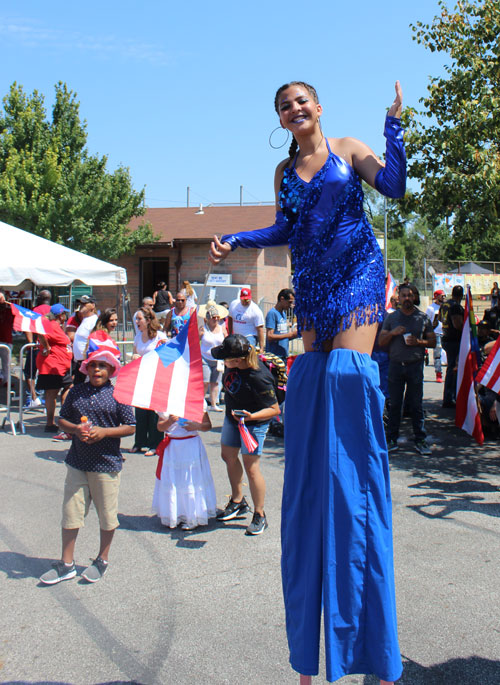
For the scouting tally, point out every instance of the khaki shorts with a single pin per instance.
(83, 487)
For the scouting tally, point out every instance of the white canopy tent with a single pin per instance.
(27, 257)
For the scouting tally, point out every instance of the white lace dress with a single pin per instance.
(185, 493)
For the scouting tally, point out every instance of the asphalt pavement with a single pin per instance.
(206, 606)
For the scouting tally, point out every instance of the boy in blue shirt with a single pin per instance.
(94, 461)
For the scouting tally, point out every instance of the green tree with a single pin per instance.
(410, 236)
(453, 144)
(51, 185)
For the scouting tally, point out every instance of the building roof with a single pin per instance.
(183, 223)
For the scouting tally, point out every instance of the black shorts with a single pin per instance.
(49, 381)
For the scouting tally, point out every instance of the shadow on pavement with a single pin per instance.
(447, 507)
(183, 538)
(454, 452)
(473, 669)
(18, 566)
(51, 455)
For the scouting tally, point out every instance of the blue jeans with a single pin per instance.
(437, 355)
(410, 376)
(231, 437)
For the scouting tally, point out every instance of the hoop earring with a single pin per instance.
(277, 147)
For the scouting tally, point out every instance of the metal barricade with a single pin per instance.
(121, 344)
(20, 423)
(8, 418)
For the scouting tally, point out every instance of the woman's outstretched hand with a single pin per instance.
(218, 250)
(397, 105)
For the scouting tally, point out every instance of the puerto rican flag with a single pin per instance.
(250, 442)
(390, 289)
(27, 321)
(489, 373)
(168, 379)
(466, 411)
(101, 342)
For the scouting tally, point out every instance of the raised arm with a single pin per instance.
(277, 234)
(389, 178)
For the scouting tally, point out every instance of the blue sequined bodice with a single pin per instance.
(338, 266)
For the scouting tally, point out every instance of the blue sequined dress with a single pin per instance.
(338, 266)
(336, 526)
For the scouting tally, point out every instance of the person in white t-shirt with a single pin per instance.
(432, 312)
(88, 315)
(246, 318)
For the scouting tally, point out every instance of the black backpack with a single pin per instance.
(277, 367)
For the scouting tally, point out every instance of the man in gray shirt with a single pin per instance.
(407, 332)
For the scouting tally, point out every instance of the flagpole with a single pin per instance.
(202, 296)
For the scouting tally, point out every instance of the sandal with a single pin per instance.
(150, 453)
(135, 450)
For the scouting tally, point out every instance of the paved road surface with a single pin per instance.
(206, 607)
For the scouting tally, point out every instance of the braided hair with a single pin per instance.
(292, 150)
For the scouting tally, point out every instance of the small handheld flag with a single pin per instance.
(248, 440)
(27, 321)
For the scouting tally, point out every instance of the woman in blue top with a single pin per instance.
(336, 514)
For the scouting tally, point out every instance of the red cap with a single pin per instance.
(439, 292)
(246, 292)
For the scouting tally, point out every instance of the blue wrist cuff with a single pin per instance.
(277, 234)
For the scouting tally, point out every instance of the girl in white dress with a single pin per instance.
(184, 490)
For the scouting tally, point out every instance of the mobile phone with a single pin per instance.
(239, 412)
(182, 422)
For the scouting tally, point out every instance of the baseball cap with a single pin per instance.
(85, 299)
(246, 292)
(439, 292)
(234, 345)
(57, 309)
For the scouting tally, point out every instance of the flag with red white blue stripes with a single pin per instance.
(168, 379)
(27, 321)
(466, 410)
(249, 441)
(489, 373)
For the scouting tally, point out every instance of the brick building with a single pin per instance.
(182, 249)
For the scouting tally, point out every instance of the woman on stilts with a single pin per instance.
(336, 513)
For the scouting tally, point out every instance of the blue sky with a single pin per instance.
(182, 93)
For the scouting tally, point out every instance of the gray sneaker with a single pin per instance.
(95, 571)
(258, 525)
(59, 571)
(422, 447)
(233, 510)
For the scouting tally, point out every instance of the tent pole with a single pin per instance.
(124, 311)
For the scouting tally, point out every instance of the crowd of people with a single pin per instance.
(336, 516)
(77, 359)
(401, 350)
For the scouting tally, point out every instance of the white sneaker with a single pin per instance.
(37, 402)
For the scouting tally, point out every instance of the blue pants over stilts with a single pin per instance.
(337, 520)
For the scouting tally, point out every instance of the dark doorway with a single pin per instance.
(152, 272)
